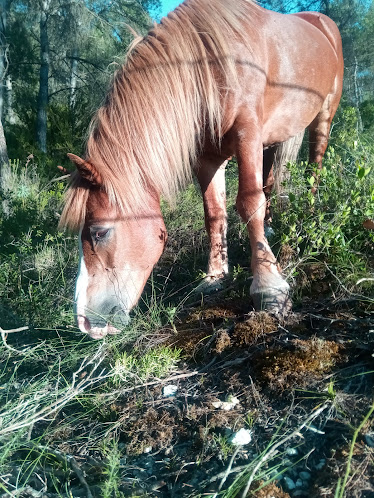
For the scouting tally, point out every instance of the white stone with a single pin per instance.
(292, 451)
(242, 437)
(226, 405)
(170, 391)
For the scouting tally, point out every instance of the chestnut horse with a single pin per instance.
(215, 78)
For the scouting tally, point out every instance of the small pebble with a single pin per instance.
(300, 492)
(299, 483)
(273, 474)
(170, 391)
(242, 437)
(369, 439)
(289, 484)
(321, 464)
(147, 449)
(226, 405)
(305, 476)
(292, 452)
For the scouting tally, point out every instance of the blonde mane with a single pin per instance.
(161, 104)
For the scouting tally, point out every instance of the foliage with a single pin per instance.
(156, 362)
(35, 257)
(328, 226)
(86, 40)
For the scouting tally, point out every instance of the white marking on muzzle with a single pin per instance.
(80, 296)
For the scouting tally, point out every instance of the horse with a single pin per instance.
(214, 79)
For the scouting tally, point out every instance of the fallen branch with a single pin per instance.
(153, 383)
(17, 413)
(228, 470)
(4, 333)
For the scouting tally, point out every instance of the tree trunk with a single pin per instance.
(3, 154)
(10, 114)
(41, 121)
(3, 52)
(73, 79)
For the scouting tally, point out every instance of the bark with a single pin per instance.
(3, 154)
(3, 51)
(73, 78)
(10, 114)
(41, 121)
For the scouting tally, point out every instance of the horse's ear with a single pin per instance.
(86, 169)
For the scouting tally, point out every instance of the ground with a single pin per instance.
(303, 386)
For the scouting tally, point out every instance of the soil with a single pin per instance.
(279, 372)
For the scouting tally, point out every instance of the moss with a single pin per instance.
(154, 429)
(223, 341)
(190, 340)
(246, 333)
(269, 491)
(284, 368)
(212, 314)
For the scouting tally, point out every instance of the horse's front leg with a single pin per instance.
(269, 290)
(211, 177)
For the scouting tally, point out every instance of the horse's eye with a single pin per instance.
(99, 234)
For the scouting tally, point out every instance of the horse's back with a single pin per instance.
(294, 63)
(324, 24)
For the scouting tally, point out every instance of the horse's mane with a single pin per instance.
(161, 104)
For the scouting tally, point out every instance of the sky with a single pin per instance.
(168, 5)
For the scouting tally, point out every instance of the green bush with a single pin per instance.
(328, 226)
(35, 257)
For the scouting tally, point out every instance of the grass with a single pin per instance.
(82, 415)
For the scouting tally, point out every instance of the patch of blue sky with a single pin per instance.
(166, 7)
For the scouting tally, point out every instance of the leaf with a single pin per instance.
(361, 173)
(311, 181)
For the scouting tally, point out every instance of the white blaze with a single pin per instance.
(80, 297)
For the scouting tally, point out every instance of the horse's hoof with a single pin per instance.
(277, 303)
(209, 285)
(274, 299)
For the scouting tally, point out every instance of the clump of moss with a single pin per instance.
(223, 341)
(190, 340)
(284, 368)
(212, 314)
(246, 333)
(269, 491)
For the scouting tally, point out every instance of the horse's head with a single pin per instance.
(117, 255)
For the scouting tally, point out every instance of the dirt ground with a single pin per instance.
(299, 387)
(280, 373)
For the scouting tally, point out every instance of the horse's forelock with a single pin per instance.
(76, 197)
